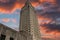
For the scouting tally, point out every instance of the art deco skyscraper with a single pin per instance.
(29, 23)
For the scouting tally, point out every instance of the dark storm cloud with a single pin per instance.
(53, 14)
(9, 3)
(50, 5)
(12, 2)
(46, 6)
(50, 11)
(34, 0)
(7, 6)
(51, 27)
(58, 2)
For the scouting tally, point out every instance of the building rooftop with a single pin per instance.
(7, 28)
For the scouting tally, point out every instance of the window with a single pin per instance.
(2, 37)
(11, 38)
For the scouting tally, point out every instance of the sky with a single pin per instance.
(48, 13)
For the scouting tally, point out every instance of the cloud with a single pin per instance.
(14, 20)
(5, 19)
(58, 2)
(48, 20)
(43, 20)
(11, 5)
(50, 15)
(52, 27)
(52, 33)
(4, 1)
(52, 1)
(7, 6)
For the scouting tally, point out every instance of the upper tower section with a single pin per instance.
(28, 22)
(27, 5)
(26, 12)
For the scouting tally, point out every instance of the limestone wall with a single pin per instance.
(8, 32)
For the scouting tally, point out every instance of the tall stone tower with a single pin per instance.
(29, 23)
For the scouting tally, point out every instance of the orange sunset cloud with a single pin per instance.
(45, 32)
(5, 19)
(8, 20)
(18, 5)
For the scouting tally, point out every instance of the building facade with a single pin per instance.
(28, 29)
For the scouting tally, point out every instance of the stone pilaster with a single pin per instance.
(7, 35)
(22, 36)
(16, 36)
(1, 31)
